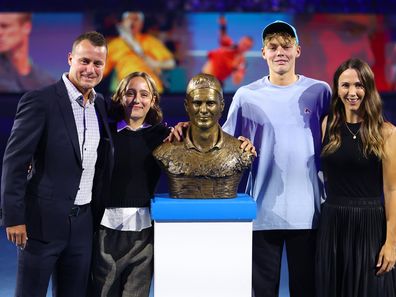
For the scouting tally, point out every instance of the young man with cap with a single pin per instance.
(281, 114)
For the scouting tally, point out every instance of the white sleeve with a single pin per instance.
(232, 124)
(326, 100)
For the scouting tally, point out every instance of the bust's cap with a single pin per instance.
(204, 81)
(280, 26)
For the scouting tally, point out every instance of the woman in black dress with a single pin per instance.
(356, 250)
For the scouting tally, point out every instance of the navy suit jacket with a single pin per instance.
(44, 135)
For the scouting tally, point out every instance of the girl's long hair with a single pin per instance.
(117, 110)
(371, 105)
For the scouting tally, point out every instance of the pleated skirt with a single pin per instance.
(350, 236)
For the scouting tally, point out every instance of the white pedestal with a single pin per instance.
(198, 255)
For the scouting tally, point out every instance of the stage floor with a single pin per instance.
(8, 270)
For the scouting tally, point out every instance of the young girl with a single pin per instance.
(123, 253)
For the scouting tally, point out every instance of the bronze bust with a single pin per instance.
(208, 163)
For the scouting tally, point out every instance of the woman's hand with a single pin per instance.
(177, 132)
(386, 259)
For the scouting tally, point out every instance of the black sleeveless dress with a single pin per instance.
(352, 227)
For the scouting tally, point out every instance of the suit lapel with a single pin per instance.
(104, 128)
(68, 117)
(102, 117)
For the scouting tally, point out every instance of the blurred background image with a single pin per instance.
(173, 46)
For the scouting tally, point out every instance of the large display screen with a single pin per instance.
(175, 46)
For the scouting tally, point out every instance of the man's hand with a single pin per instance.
(177, 132)
(17, 235)
(247, 145)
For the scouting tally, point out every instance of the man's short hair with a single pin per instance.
(25, 17)
(127, 13)
(283, 37)
(204, 81)
(95, 38)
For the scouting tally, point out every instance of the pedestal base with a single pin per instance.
(203, 257)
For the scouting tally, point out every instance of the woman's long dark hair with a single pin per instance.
(373, 120)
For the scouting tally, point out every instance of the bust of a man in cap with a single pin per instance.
(207, 163)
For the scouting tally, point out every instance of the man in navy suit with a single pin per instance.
(51, 171)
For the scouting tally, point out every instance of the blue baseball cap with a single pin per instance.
(280, 26)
